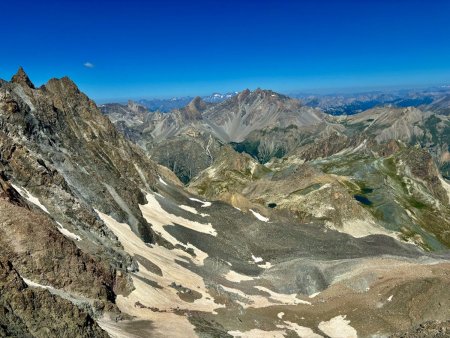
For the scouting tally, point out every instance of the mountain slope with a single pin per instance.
(234, 119)
(116, 239)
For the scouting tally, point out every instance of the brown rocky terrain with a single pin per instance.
(307, 225)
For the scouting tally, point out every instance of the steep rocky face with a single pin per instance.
(230, 120)
(195, 108)
(441, 105)
(130, 115)
(176, 140)
(62, 134)
(60, 161)
(336, 221)
(234, 119)
(187, 155)
(27, 312)
(22, 78)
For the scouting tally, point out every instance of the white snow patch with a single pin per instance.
(158, 194)
(257, 259)
(37, 285)
(280, 315)
(260, 301)
(237, 208)
(29, 197)
(236, 277)
(154, 213)
(166, 300)
(205, 204)
(287, 299)
(259, 216)
(266, 265)
(362, 145)
(302, 332)
(257, 333)
(338, 327)
(446, 186)
(192, 210)
(162, 181)
(188, 208)
(314, 295)
(67, 233)
(410, 214)
(159, 218)
(390, 298)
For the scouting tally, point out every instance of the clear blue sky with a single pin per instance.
(167, 48)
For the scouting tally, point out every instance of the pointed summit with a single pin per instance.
(197, 104)
(195, 108)
(22, 78)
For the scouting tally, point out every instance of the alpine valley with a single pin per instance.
(251, 214)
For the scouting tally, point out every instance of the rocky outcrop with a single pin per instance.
(60, 159)
(420, 163)
(425, 330)
(22, 78)
(59, 131)
(27, 312)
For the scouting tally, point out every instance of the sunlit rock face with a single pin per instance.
(276, 221)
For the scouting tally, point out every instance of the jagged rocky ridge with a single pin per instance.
(127, 246)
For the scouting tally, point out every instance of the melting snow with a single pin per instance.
(257, 259)
(29, 197)
(159, 218)
(257, 333)
(234, 276)
(36, 285)
(302, 332)
(166, 300)
(67, 233)
(266, 265)
(259, 216)
(283, 298)
(338, 327)
(205, 204)
(192, 210)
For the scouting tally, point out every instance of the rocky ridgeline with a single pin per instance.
(60, 159)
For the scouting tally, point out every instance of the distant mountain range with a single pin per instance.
(349, 104)
(333, 104)
(166, 105)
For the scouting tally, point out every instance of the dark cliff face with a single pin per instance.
(26, 312)
(79, 149)
(57, 151)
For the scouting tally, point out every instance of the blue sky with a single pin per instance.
(131, 49)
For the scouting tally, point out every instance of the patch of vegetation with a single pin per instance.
(415, 203)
